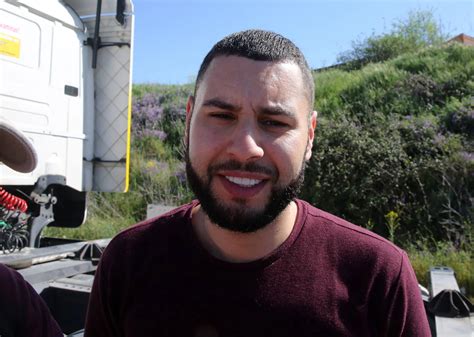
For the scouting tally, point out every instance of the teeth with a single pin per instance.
(246, 182)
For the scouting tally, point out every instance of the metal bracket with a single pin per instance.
(46, 202)
(450, 303)
(45, 217)
(90, 252)
(44, 181)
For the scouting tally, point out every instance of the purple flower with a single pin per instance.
(147, 114)
(161, 135)
(467, 156)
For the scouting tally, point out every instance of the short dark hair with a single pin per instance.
(260, 45)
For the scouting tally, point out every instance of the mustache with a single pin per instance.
(245, 167)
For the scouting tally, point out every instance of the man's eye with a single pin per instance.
(224, 116)
(273, 123)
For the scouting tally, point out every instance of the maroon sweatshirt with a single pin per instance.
(329, 278)
(22, 311)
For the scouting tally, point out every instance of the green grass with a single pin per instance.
(461, 261)
(94, 228)
(107, 214)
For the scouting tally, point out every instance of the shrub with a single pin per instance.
(355, 172)
(362, 172)
(420, 30)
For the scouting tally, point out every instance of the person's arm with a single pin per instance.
(23, 312)
(102, 313)
(406, 316)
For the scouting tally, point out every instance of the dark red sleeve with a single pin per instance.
(406, 316)
(102, 313)
(23, 312)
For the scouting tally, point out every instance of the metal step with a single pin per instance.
(443, 278)
(32, 256)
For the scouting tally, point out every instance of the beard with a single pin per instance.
(241, 218)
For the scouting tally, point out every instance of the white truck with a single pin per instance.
(65, 83)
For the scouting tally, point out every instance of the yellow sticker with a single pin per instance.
(9, 46)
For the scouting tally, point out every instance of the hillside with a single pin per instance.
(397, 136)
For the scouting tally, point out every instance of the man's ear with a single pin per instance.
(189, 114)
(313, 121)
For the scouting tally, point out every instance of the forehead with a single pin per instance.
(241, 78)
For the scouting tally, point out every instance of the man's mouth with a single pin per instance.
(243, 182)
(242, 186)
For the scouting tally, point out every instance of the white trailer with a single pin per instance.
(65, 83)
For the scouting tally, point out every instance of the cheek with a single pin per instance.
(202, 146)
(288, 153)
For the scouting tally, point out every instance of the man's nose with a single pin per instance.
(245, 144)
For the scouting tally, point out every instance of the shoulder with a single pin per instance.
(22, 309)
(351, 242)
(153, 242)
(11, 281)
(152, 235)
(164, 224)
(6, 273)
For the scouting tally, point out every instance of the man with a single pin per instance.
(247, 258)
(22, 311)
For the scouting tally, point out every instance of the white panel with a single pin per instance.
(32, 89)
(83, 137)
(65, 66)
(19, 40)
(29, 114)
(110, 177)
(89, 8)
(112, 86)
(53, 10)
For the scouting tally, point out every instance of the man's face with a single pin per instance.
(248, 137)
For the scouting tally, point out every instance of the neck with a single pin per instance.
(243, 247)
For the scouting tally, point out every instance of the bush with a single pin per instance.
(363, 172)
(356, 172)
(420, 30)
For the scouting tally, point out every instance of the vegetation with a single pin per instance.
(394, 149)
(418, 31)
(398, 136)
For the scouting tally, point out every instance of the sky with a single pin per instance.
(173, 36)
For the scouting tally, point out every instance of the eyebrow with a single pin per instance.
(276, 111)
(271, 111)
(218, 103)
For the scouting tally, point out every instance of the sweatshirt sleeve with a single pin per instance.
(406, 315)
(23, 312)
(102, 317)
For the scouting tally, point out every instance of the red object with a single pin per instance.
(11, 202)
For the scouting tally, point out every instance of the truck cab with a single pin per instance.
(65, 84)
(65, 69)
